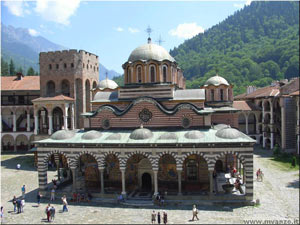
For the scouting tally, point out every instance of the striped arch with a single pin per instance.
(207, 159)
(45, 160)
(237, 154)
(77, 156)
(104, 156)
(147, 155)
(173, 154)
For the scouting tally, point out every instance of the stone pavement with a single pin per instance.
(278, 193)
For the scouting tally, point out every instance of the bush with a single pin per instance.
(294, 161)
(276, 150)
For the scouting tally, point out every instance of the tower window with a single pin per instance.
(139, 74)
(152, 74)
(221, 95)
(72, 65)
(164, 74)
(212, 95)
(128, 75)
(87, 66)
(83, 65)
(65, 65)
(57, 66)
(50, 67)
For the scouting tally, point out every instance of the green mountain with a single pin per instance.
(256, 45)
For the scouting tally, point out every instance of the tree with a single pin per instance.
(20, 70)
(30, 72)
(12, 70)
(4, 68)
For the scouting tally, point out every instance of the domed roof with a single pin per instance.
(228, 133)
(194, 134)
(62, 135)
(115, 136)
(107, 83)
(168, 136)
(92, 134)
(150, 51)
(220, 126)
(141, 134)
(216, 81)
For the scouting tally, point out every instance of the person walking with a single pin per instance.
(48, 213)
(2, 214)
(22, 204)
(52, 195)
(52, 213)
(19, 205)
(14, 201)
(153, 217)
(38, 198)
(195, 213)
(23, 191)
(65, 203)
(165, 217)
(158, 217)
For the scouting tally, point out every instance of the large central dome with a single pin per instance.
(150, 51)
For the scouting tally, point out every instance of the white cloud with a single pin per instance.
(58, 11)
(248, 2)
(119, 29)
(186, 30)
(133, 30)
(241, 5)
(15, 7)
(33, 32)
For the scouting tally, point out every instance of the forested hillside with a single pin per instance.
(256, 45)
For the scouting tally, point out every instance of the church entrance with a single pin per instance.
(146, 182)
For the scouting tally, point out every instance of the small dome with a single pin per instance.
(194, 134)
(168, 136)
(107, 83)
(228, 133)
(92, 134)
(220, 126)
(216, 81)
(115, 136)
(150, 51)
(141, 134)
(62, 135)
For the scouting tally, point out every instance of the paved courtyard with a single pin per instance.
(278, 194)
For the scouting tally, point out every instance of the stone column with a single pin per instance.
(155, 182)
(247, 126)
(211, 182)
(145, 74)
(1, 123)
(36, 124)
(272, 139)
(123, 182)
(179, 172)
(101, 170)
(50, 130)
(74, 179)
(14, 122)
(66, 122)
(28, 121)
(73, 117)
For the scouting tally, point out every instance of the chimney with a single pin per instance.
(250, 89)
(19, 76)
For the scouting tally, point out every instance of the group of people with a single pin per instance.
(50, 212)
(77, 197)
(157, 216)
(19, 204)
(160, 200)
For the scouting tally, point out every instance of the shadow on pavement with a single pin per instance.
(293, 184)
(26, 162)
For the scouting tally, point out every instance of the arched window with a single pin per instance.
(65, 88)
(65, 65)
(221, 95)
(83, 65)
(139, 74)
(128, 75)
(57, 66)
(50, 67)
(212, 95)
(87, 66)
(72, 65)
(152, 74)
(50, 88)
(164, 74)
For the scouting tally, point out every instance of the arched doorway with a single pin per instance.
(43, 121)
(8, 143)
(146, 182)
(58, 119)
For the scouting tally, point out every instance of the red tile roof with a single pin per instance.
(269, 91)
(245, 105)
(11, 83)
(55, 98)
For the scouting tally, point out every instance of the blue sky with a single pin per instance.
(113, 29)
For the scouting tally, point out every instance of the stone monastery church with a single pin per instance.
(147, 137)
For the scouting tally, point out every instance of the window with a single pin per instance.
(83, 65)
(50, 89)
(128, 75)
(50, 67)
(11, 98)
(65, 65)
(97, 68)
(87, 66)
(152, 74)
(192, 170)
(139, 72)
(57, 66)
(164, 74)
(72, 65)
(21, 99)
(221, 95)
(212, 95)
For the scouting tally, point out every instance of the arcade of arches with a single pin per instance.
(110, 173)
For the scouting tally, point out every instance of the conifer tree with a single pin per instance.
(30, 72)
(4, 68)
(12, 70)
